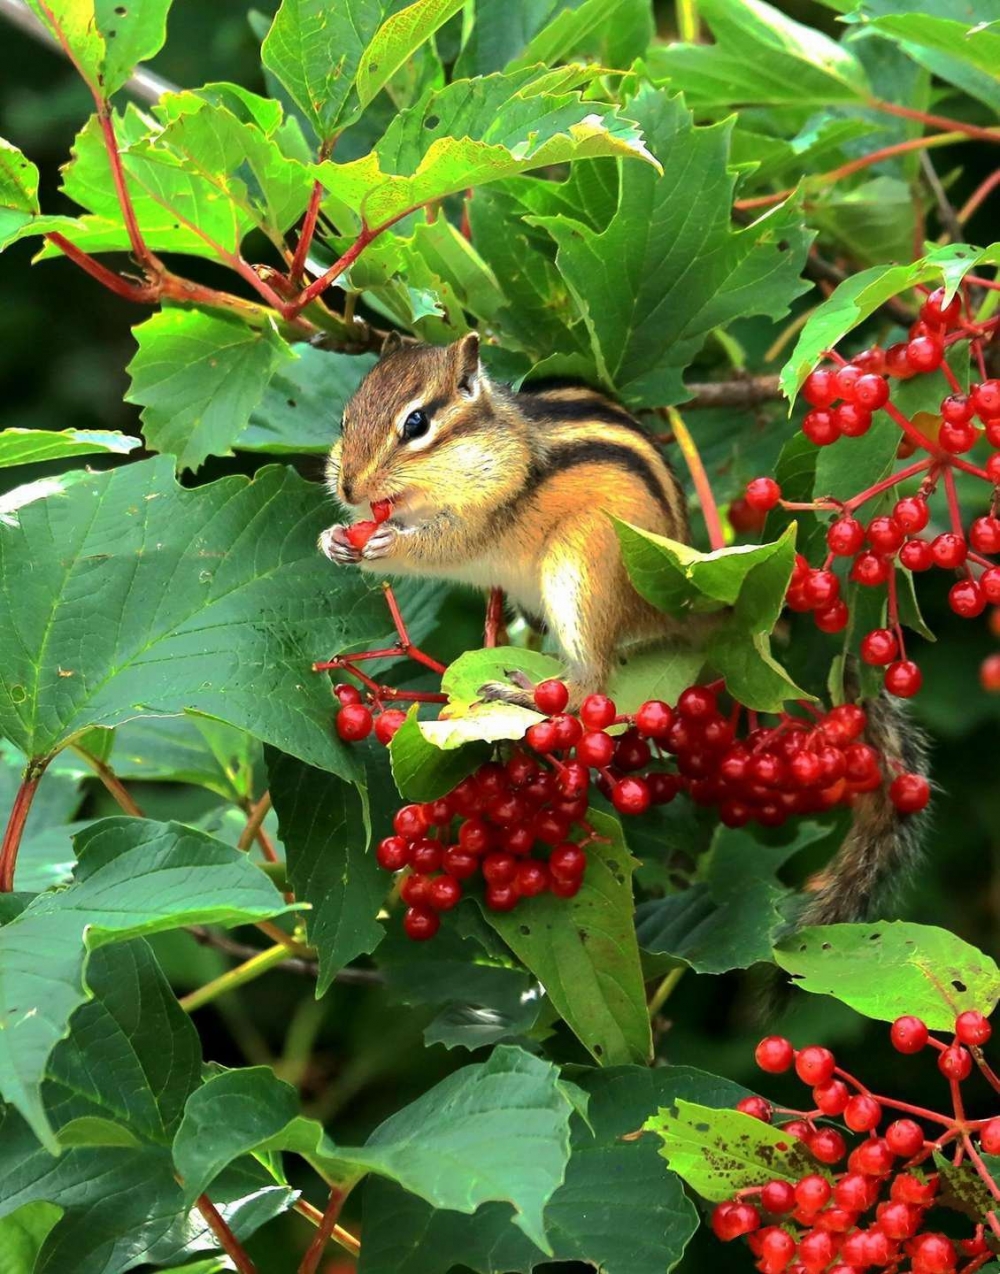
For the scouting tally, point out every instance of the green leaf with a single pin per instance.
(421, 770)
(214, 599)
(323, 824)
(978, 46)
(198, 376)
(571, 27)
(74, 24)
(731, 916)
(656, 281)
(851, 465)
(105, 39)
(303, 402)
(885, 970)
(315, 51)
(660, 673)
(46, 856)
(718, 1152)
(456, 1146)
(18, 192)
(32, 446)
(187, 749)
(473, 132)
(398, 39)
(585, 954)
(860, 296)
(133, 877)
(617, 1210)
(760, 57)
(22, 1234)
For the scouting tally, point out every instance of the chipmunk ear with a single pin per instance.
(392, 341)
(468, 370)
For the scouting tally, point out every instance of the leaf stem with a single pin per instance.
(665, 990)
(33, 772)
(688, 25)
(339, 1235)
(141, 294)
(981, 192)
(254, 826)
(226, 1239)
(111, 781)
(233, 978)
(944, 122)
(863, 497)
(310, 1262)
(706, 498)
(307, 232)
(142, 253)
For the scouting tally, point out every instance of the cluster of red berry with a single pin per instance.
(515, 817)
(843, 399)
(866, 1207)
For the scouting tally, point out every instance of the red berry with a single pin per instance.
(833, 618)
(949, 551)
(354, 722)
(421, 923)
(632, 752)
(393, 853)
(934, 1254)
(853, 1192)
(565, 888)
(989, 674)
(498, 868)
(955, 1062)
(905, 1138)
(820, 427)
(821, 588)
(885, 535)
(697, 703)
(568, 729)
(551, 696)
(846, 377)
(967, 599)
(820, 388)
(872, 1158)
(924, 353)
(869, 570)
(474, 836)
(816, 1250)
(532, 878)
(542, 737)
(815, 1065)
(567, 862)
(573, 779)
(862, 1113)
(596, 749)
(916, 555)
(986, 399)
(879, 647)
(993, 469)
(763, 494)
(426, 855)
(743, 519)
(984, 535)
(908, 1034)
(909, 793)
(898, 1220)
(908, 1188)
(438, 813)
(989, 1137)
(957, 409)
(654, 719)
(832, 1097)
(827, 1145)
(597, 712)
(896, 362)
(778, 1197)
(911, 513)
(756, 1108)
(731, 1220)
(903, 678)
(845, 536)
(443, 893)
(346, 693)
(871, 391)
(663, 787)
(777, 1248)
(381, 511)
(410, 822)
(774, 1054)
(501, 897)
(972, 1028)
(813, 1192)
(387, 723)
(957, 438)
(851, 419)
(989, 582)
(459, 863)
(936, 313)
(359, 533)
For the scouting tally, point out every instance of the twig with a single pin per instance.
(233, 978)
(293, 964)
(310, 1262)
(946, 212)
(943, 122)
(33, 772)
(226, 1239)
(982, 191)
(688, 25)
(111, 781)
(306, 233)
(254, 827)
(744, 391)
(339, 1235)
(706, 498)
(664, 991)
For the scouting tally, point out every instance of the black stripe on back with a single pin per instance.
(568, 455)
(589, 406)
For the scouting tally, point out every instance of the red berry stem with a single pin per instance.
(414, 652)
(856, 501)
(987, 1071)
(920, 1112)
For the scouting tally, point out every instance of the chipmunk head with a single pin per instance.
(413, 432)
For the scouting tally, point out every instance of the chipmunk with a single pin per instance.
(494, 488)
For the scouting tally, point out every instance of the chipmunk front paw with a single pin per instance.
(381, 542)
(334, 544)
(504, 692)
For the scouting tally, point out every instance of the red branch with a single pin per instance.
(141, 294)
(15, 823)
(226, 1239)
(306, 235)
(310, 1262)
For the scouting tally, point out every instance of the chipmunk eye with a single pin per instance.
(415, 425)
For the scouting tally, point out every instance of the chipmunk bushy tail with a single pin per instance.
(883, 847)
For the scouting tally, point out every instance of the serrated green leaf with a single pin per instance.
(851, 465)
(397, 39)
(303, 402)
(473, 132)
(760, 56)
(133, 877)
(570, 28)
(323, 824)
(18, 192)
(456, 1146)
(730, 917)
(198, 376)
(105, 39)
(718, 1152)
(617, 1210)
(860, 296)
(214, 599)
(979, 46)
(660, 673)
(189, 748)
(585, 954)
(315, 50)
(421, 770)
(33, 446)
(685, 275)
(885, 970)
(45, 857)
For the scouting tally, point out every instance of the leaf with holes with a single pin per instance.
(398, 39)
(885, 970)
(33, 446)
